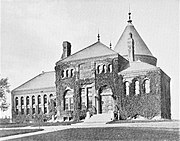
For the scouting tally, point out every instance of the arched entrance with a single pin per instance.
(105, 100)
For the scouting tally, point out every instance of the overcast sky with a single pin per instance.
(32, 32)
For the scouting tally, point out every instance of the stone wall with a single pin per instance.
(145, 104)
(165, 96)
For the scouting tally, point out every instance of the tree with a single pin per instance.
(4, 89)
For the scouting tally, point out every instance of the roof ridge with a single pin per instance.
(98, 42)
(32, 79)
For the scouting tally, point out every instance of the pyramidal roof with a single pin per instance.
(140, 46)
(95, 50)
(43, 80)
(139, 66)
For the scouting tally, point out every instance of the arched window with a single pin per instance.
(67, 73)
(22, 100)
(147, 86)
(16, 101)
(39, 99)
(136, 87)
(33, 100)
(104, 69)
(62, 73)
(72, 72)
(126, 88)
(98, 69)
(45, 99)
(109, 68)
(27, 100)
(51, 95)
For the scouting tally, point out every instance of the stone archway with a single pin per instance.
(105, 100)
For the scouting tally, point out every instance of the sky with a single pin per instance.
(32, 32)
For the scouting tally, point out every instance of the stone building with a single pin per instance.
(34, 96)
(99, 80)
(124, 81)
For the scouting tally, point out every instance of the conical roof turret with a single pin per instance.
(141, 50)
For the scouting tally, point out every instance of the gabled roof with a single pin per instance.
(139, 66)
(43, 80)
(140, 46)
(95, 50)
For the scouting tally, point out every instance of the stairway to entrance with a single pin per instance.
(99, 118)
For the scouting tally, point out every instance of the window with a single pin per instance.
(67, 73)
(83, 98)
(109, 68)
(71, 103)
(68, 100)
(22, 101)
(45, 99)
(62, 73)
(98, 69)
(39, 99)
(89, 94)
(22, 111)
(33, 111)
(51, 96)
(126, 88)
(45, 110)
(147, 86)
(27, 100)
(39, 110)
(16, 101)
(28, 111)
(33, 100)
(104, 69)
(66, 103)
(72, 72)
(136, 87)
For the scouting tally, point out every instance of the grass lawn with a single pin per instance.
(108, 133)
(4, 133)
(13, 125)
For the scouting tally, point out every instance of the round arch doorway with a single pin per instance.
(105, 100)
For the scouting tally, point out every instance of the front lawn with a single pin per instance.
(14, 125)
(108, 133)
(4, 133)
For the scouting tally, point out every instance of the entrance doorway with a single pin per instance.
(105, 100)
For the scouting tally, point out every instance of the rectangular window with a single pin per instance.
(89, 101)
(83, 98)
(22, 111)
(27, 111)
(66, 103)
(89, 94)
(33, 101)
(33, 111)
(71, 104)
(45, 110)
(39, 110)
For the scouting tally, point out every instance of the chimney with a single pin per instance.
(66, 49)
(130, 44)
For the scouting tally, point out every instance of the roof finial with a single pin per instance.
(98, 36)
(110, 45)
(129, 21)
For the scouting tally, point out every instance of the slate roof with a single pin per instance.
(139, 66)
(95, 50)
(140, 46)
(43, 80)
